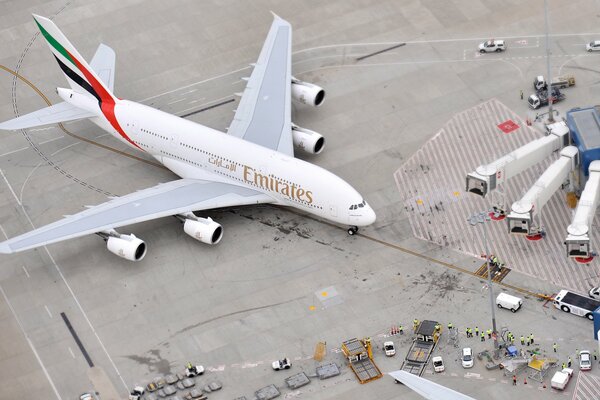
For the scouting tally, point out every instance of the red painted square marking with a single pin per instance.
(508, 126)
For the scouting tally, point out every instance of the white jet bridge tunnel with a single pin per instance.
(578, 240)
(521, 218)
(486, 178)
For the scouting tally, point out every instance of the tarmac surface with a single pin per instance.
(279, 282)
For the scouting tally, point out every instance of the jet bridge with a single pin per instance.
(578, 240)
(486, 178)
(520, 219)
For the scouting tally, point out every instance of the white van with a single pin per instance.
(512, 303)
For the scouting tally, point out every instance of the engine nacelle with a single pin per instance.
(127, 246)
(307, 140)
(307, 93)
(203, 229)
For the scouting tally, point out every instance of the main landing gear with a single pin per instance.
(352, 230)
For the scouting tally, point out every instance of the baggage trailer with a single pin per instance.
(576, 304)
(422, 347)
(560, 82)
(359, 355)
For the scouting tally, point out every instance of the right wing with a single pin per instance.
(60, 112)
(264, 114)
(176, 197)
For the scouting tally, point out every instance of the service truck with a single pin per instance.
(561, 82)
(576, 304)
(561, 378)
(540, 98)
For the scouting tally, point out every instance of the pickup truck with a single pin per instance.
(541, 98)
(560, 82)
(561, 378)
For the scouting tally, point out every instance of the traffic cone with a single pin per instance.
(525, 381)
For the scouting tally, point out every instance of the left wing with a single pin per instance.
(426, 388)
(176, 197)
(264, 114)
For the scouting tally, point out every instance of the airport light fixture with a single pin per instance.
(549, 88)
(481, 218)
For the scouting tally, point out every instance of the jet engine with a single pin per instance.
(309, 141)
(307, 93)
(126, 246)
(203, 229)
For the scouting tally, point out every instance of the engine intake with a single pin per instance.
(203, 229)
(127, 246)
(307, 93)
(309, 141)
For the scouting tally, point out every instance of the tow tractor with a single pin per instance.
(541, 98)
(136, 393)
(282, 364)
(194, 370)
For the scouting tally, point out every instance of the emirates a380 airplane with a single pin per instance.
(253, 164)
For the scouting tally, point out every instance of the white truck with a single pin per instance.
(561, 82)
(576, 304)
(389, 349)
(561, 378)
(541, 98)
(438, 364)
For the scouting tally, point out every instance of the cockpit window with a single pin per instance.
(355, 206)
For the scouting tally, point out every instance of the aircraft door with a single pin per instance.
(333, 210)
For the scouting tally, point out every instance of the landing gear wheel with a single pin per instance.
(352, 230)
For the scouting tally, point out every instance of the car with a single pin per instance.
(492, 45)
(593, 46)
(585, 361)
(282, 364)
(194, 370)
(88, 396)
(467, 357)
(389, 349)
(136, 393)
(595, 292)
(438, 364)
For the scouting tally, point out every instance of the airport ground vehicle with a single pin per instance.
(389, 348)
(467, 357)
(541, 99)
(423, 345)
(491, 46)
(576, 304)
(282, 364)
(561, 82)
(593, 46)
(194, 370)
(509, 302)
(595, 292)
(585, 360)
(438, 364)
(561, 378)
(136, 393)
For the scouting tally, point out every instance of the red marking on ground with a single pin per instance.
(582, 260)
(508, 126)
(534, 237)
(498, 218)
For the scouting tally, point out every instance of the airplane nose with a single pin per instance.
(369, 216)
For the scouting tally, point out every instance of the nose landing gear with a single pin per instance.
(352, 230)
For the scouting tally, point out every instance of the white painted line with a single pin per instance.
(71, 351)
(3, 232)
(30, 343)
(48, 310)
(25, 269)
(11, 189)
(78, 304)
(176, 101)
(25, 148)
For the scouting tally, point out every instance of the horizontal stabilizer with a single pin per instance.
(61, 112)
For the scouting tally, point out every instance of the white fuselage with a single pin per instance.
(195, 151)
